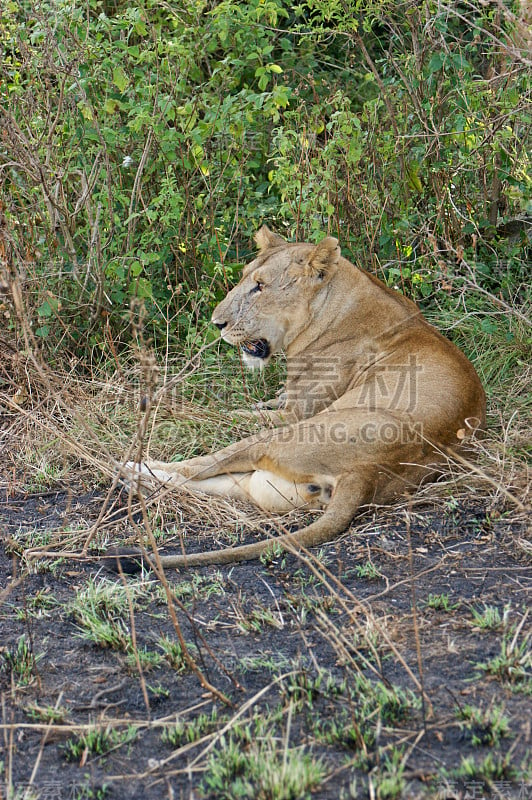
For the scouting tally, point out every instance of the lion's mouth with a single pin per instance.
(258, 349)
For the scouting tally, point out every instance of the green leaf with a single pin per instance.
(488, 326)
(120, 78)
(281, 96)
(143, 288)
(45, 310)
(86, 111)
(412, 177)
(110, 106)
(436, 63)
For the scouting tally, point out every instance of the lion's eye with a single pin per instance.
(257, 288)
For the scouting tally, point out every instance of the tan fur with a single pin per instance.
(374, 396)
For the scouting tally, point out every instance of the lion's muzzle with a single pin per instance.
(258, 349)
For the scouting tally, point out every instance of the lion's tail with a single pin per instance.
(346, 499)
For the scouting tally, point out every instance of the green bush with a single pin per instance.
(143, 146)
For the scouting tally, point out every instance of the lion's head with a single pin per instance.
(275, 299)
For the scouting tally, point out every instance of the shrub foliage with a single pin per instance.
(142, 145)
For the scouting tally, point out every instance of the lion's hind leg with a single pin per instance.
(265, 489)
(278, 495)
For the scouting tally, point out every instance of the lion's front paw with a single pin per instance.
(144, 477)
(134, 476)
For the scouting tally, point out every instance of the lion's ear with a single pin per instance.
(267, 239)
(324, 258)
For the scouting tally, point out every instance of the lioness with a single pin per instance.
(374, 396)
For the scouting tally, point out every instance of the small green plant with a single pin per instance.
(37, 606)
(20, 662)
(97, 741)
(264, 769)
(148, 660)
(304, 604)
(394, 704)
(513, 663)
(366, 707)
(158, 691)
(440, 602)
(302, 688)
(489, 769)
(111, 633)
(489, 618)
(22, 793)
(302, 578)
(50, 714)
(199, 587)
(190, 730)
(92, 792)
(173, 653)
(106, 598)
(388, 779)
(272, 555)
(45, 476)
(258, 618)
(264, 661)
(100, 608)
(485, 726)
(345, 729)
(367, 570)
(25, 538)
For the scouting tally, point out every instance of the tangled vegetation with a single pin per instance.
(142, 146)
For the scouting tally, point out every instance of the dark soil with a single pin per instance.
(283, 614)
